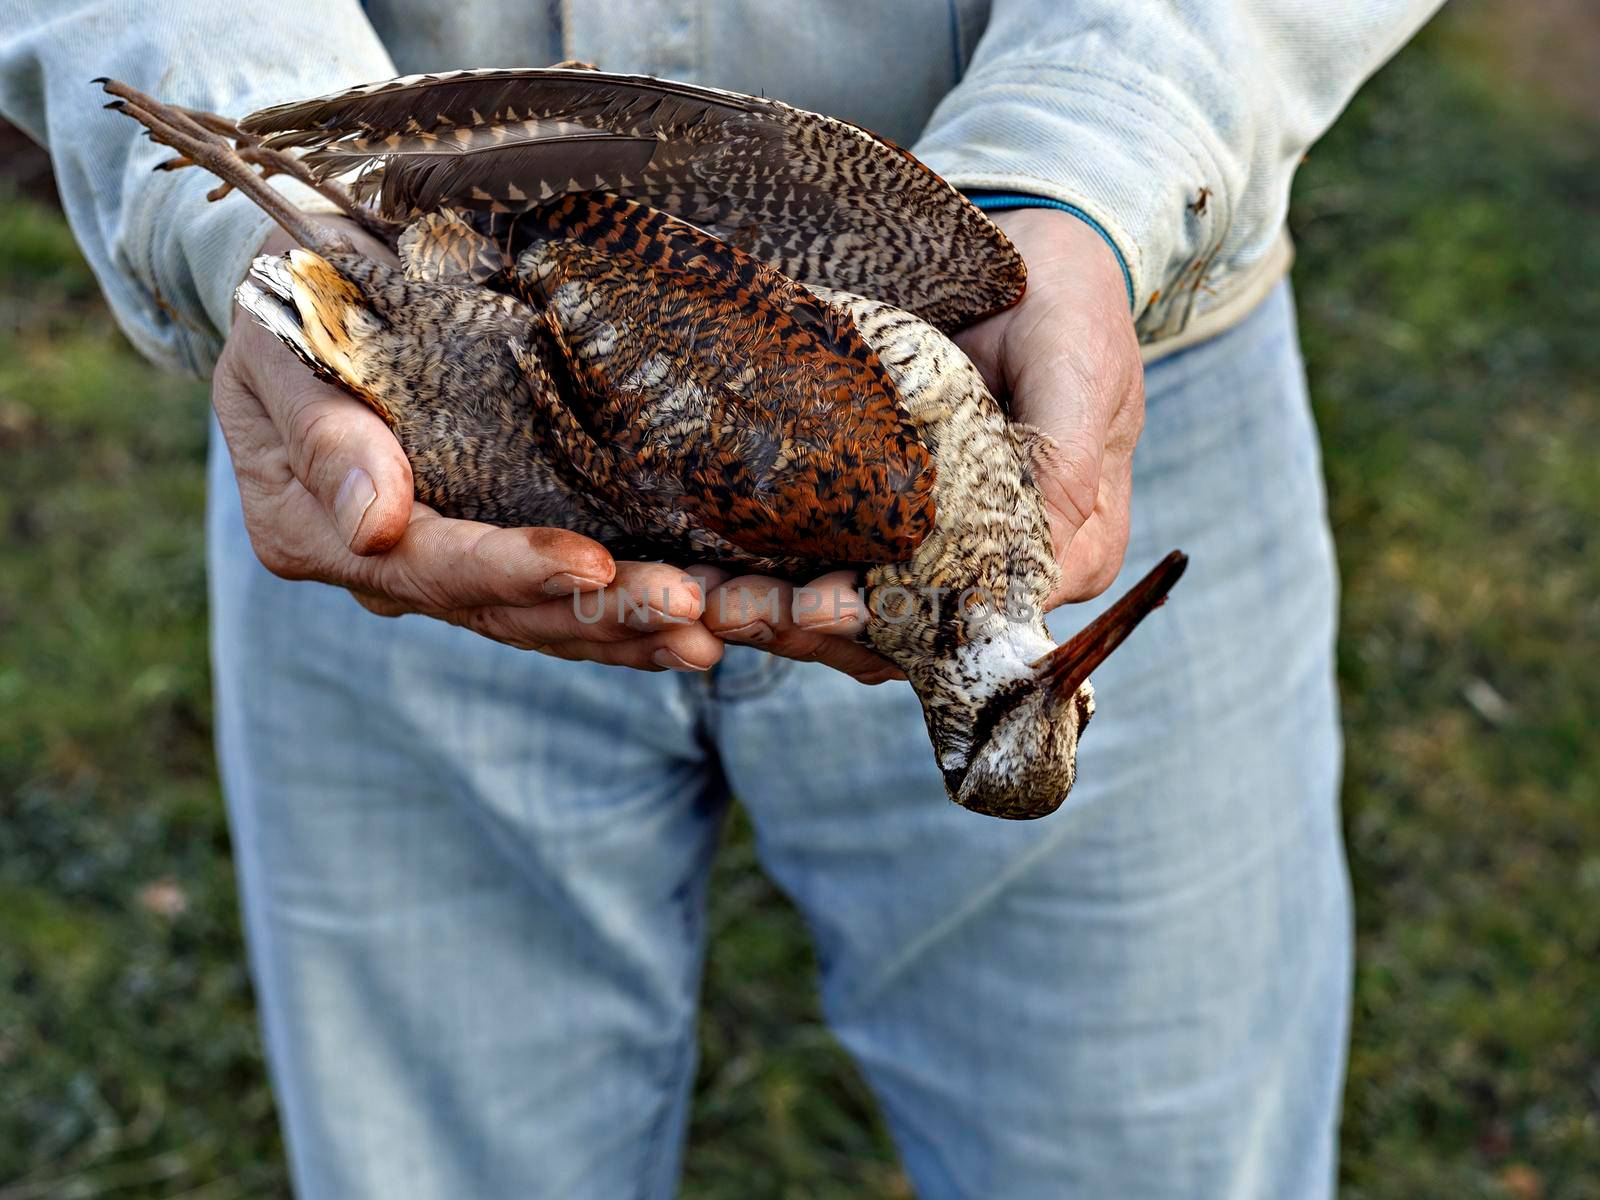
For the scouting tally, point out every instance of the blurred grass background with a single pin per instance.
(1449, 253)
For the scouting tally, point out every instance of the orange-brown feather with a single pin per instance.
(724, 388)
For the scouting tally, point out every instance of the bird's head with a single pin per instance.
(1009, 745)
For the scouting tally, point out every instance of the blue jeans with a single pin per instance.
(474, 878)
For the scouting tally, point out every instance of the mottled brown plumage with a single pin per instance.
(716, 391)
(808, 194)
(694, 325)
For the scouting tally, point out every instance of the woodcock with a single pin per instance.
(695, 326)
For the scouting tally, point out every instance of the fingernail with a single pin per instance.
(565, 583)
(673, 662)
(757, 633)
(356, 495)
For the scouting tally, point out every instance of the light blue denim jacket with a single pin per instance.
(1129, 111)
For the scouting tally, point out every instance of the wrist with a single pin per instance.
(279, 241)
(1068, 263)
(998, 205)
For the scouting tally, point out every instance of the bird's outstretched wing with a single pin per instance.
(707, 394)
(820, 199)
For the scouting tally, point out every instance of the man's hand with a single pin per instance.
(328, 495)
(1065, 360)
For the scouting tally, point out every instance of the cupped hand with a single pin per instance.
(327, 495)
(1065, 360)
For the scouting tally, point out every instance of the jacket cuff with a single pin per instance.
(1131, 164)
(188, 254)
(195, 252)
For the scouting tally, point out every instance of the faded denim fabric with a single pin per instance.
(1123, 110)
(474, 878)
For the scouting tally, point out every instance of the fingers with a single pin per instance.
(831, 604)
(814, 623)
(692, 648)
(688, 648)
(647, 620)
(440, 564)
(1091, 558)
(645, 598)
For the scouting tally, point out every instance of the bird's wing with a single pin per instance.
(721, 392)
(820, 199)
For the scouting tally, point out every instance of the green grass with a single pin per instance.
(1449, 298)
(1447, 282)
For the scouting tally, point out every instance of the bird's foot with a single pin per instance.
(239, 160)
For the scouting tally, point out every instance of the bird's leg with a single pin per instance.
(201, 139)
(207, 148)
(273, 161)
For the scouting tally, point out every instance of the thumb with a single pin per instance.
(339, 449)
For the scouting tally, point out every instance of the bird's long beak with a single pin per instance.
(1069, 664)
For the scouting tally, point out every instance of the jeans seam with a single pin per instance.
(655, 1139)
(671, 1083)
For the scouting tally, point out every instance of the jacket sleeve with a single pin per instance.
(166, 258)
(1175, 125)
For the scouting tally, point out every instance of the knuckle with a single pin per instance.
(748, 598)
(490, 557)
(810, 649)
(404, 580)
(486, 622)
(566, 651)
(481, 621)
(314, 438)
(1074, 495)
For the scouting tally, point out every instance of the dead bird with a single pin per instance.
(697, 326)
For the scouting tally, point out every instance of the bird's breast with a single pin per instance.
(989, 556)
